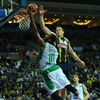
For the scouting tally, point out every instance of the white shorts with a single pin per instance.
(55, 80)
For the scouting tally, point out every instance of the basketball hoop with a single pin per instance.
(24, 23)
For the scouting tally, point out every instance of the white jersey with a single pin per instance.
(79, 87)
(49, 56)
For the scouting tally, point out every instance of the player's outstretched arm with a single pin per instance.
(32, 12)
(86, 92)
(75, 56)
(42, 22)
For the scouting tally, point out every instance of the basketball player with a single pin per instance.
(83, 93)
(54, 78)
(63, 46)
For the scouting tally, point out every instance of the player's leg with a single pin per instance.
(55, 96)
(63, 92)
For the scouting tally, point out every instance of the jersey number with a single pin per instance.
(51, 58)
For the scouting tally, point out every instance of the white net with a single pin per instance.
(24, 24)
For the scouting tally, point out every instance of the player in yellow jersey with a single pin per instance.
(62, 44)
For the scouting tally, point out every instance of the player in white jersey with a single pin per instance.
(83, 93)
(49, 56)
(54, 78)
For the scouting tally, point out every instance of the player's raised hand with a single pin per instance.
(32, 8)
(82, 63)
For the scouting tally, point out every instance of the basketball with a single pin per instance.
(33, 7)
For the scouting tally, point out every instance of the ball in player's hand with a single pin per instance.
(33, 7)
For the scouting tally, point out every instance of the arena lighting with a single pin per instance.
(10, 22)
(52, 22)
(78, 20)
(14, 21)
(45, 19)
(82, 23)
